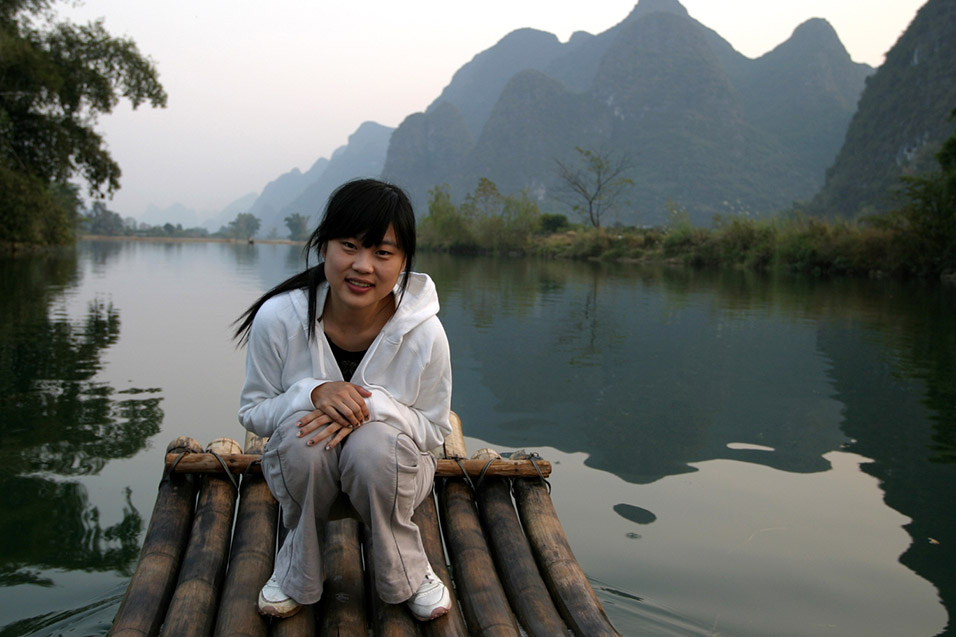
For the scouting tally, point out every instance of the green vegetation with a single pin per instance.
(487, 221)
(797, 244)
(917, 238)
(102, 222)
(298, 226)
(244, 226)
(56, 78)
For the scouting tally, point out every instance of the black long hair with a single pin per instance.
(363, 208)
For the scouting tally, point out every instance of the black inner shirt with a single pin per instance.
(348, 361)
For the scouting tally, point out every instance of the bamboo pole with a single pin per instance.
(192, 610)
(426, 519)
(454, 446)
(343, 596)
(483, 599)
(388, 620)
(303, 623)
(151, 587)
(251, 558)
(572, 594)
(447, 468)
(516, 567)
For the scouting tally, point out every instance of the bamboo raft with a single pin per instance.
(212, 539)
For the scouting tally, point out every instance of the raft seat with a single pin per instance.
(212, 539)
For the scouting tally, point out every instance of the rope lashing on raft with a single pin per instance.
(167, 474)
(481, 476)
(225, 468)
(533, 457)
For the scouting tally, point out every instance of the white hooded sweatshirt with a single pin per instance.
(407, 368)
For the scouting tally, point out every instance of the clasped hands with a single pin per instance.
(339, 410)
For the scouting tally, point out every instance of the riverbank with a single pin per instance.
(187, 239)
(14, 249)
(803, 245)
(800, 245)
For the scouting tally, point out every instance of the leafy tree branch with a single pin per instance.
(56, 79)
(594, 184)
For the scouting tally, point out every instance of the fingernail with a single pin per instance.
(328, 447)
(310, 443)
(298, 424)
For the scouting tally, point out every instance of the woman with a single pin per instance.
(348, 374)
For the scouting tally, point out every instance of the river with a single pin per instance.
(734, 453)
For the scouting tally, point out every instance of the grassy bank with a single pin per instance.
(799, 244)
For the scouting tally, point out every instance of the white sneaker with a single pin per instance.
(273, 602)
(431, 600)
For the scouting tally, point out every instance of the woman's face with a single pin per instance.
(363, 278)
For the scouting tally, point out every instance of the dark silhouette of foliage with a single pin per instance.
(244, 226)
(298, 226)
(58, 421)
(55, 80)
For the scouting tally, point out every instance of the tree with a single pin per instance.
(486, 201)
(445, 227)
(56, 78)
(486, 221)
(593, 185)
(244, 226)
(551, 223)
(101, 221)
(298, 226)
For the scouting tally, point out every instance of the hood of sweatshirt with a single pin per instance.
(416, 304)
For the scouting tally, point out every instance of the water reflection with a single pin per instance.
(595, 359)
(635, 514)
(57, 420)
(708, 407)
(652, 371)
(893, 413)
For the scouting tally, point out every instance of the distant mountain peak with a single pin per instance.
(647, 7)
(813, 39)
(817, 33)
(579, 37)
(525, 34)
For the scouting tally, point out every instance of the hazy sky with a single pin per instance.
(259, 88)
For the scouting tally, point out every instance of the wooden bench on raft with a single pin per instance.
(205, 557)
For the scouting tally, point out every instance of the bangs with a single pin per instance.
(366, 211)
(369, 220)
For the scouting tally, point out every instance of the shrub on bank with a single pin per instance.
(893, 244)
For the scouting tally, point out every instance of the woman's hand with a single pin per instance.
(340, 409)
(343, 402)
(316, 420)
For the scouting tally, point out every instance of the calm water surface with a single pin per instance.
(735, 454)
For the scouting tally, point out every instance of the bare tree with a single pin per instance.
(593, 185)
